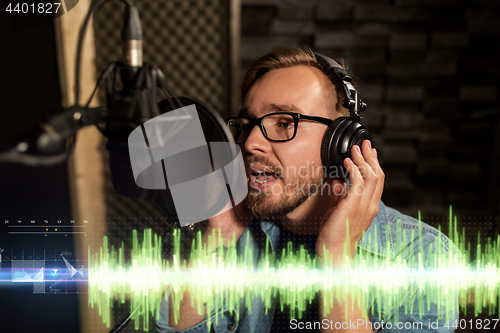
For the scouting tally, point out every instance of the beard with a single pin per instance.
(294, 191)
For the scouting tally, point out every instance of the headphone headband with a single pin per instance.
(344, 132)
(340, 76)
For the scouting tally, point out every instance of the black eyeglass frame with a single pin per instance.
(296, 118)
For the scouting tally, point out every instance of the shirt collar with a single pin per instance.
(378, 238)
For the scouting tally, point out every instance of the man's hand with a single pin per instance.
(358, 205)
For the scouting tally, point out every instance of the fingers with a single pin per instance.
(377, 176)
(365, 172)
(357, 186)
(369, 154)
(362, 165)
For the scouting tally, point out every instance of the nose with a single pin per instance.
(256, 143)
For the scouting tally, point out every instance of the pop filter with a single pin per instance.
(182, 166)
(214, 130)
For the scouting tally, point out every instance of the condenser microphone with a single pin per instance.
(132, 46)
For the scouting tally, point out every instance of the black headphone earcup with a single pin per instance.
(337, 142)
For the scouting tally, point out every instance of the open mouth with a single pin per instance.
(262, 177)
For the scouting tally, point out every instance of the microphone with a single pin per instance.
(127, 107)
(132, 46)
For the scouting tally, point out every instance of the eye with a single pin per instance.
(246, 127)
(285, 124)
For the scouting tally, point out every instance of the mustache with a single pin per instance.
(252, 160)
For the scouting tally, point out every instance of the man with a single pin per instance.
(293, 200)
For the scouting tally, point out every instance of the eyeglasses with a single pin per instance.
(276, 127)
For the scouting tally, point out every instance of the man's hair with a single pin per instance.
(284, 57)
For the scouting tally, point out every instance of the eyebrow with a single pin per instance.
(274, 108)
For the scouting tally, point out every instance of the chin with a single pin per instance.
(271, 206)
(262, 204)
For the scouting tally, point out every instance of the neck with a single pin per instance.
(306, 219)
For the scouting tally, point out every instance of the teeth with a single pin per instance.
(262, 182)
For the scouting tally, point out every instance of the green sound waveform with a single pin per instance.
(223, 277)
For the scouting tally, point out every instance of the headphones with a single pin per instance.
(344, 132)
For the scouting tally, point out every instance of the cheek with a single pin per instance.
(301, 156)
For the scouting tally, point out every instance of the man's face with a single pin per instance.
(294, 167)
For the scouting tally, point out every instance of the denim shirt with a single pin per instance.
(386, 223)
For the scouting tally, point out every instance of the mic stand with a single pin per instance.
(125, 110)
